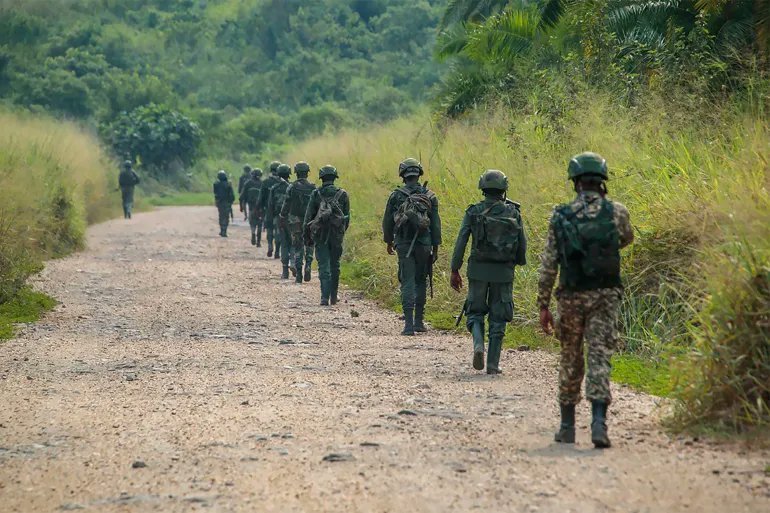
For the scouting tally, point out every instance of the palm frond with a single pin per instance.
(504, 37)
(469, 10)
(451, 41)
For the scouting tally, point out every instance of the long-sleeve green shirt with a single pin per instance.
(498, 272)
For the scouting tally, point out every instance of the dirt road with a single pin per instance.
(180, 373)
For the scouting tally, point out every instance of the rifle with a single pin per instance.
(430, 274)
(462, 313)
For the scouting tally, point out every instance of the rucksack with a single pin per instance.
(413, 214)
(279, 195)
(329, 215)
(496, 233)
(301, 193)
(589, 248)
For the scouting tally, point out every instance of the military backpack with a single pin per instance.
(496, 232)
(413, 214)
(329, 216)
(278, 193)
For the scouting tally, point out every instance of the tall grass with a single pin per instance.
(693, 188)
(53, 182)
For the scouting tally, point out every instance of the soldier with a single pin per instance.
(127, 180)
(224, 197)
(499, 245)
(411, 227)
(245, 177)
(264, 197)
(249, 199)
(326, 220)
(274, 206)
(583, 248)
(293, 215)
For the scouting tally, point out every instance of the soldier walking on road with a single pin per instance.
(326, 220)
(499, 245)
(224, 197)
(249, 199)
(293, 216)
(411, 227)
(245, 177)
(127, 180)
(280, 232)
(264, 197)
(583, 248)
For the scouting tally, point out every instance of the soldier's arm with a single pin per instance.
(435, 223)
(136, 178)
(458, 255)
(521, 254)
(549, 268)
(312, 208)
(623, 223)
(388, 222)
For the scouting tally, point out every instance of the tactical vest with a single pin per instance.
(589, 249)
(299, 196)
(251, 192)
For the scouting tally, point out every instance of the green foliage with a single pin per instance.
(26, 306)
(649, 376)
(163, 140)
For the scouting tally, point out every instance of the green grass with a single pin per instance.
(643, 374)
(27, 306)
(181, 199)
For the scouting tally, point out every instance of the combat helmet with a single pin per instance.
(493, 179)
(222, 176)
(274, 166)
(284, 171)
(587, 163)
(127, 164)
(302, 168)
(256, 172)
(247, 168)
(410, 167)
(328, 171)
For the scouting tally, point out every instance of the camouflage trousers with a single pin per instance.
(587, 318)
(255, 222)
(302, 254)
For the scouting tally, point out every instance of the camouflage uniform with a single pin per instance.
(280, 230)
(224, 197)
(293, 216)
(250, 193)
(245, 177)
(264, 198)
(127, 180)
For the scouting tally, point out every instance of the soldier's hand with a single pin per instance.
(546, 321)
(456, 281)
(391, 251)
(435, 254)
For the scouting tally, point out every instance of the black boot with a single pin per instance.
(333, 288)
(253, 239)
(599, 435)
(298, 274)
(307, 272)
(477, 331)
(325, 290)
(566, 432)
(285, 273)
(408, 322)
(419, 319)
(222, 232)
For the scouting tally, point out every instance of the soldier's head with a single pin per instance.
(274, 166)
(284, 171)
(588, 171)
(410, 170)
(127, 164)
(493, 183)
(222, 176)
(301, 169)
(256, 173)
(246, 169)
(328, 173)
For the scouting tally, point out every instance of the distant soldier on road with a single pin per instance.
(264, 197)
(280, 232)
(583, 247)
(249, 199)
(245, 177)
(293, 216)
(499, 245)
(411, 227)
(224, 197)
(127, 180)
(326, 220)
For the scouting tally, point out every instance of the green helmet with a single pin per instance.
(587, 163)
(247, 168)
(302, 168)
(328, 170)
(222, 176)
(493, 179)
(127, 164)
(274, 166)
(256, 172)
(410, 167)
(284, 171)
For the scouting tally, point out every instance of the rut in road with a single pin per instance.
(180, 373)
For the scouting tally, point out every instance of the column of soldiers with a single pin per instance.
(582, 251)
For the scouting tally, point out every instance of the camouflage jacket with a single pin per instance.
(585, 204)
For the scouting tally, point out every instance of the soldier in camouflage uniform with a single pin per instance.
(245, 177)
(499, 245)
(249, 198)
(415, 234)
(293, 216)
(326, 220)
(224, 197)
(264, 197)
(583, 248)
(127, 180)
(280, 231)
